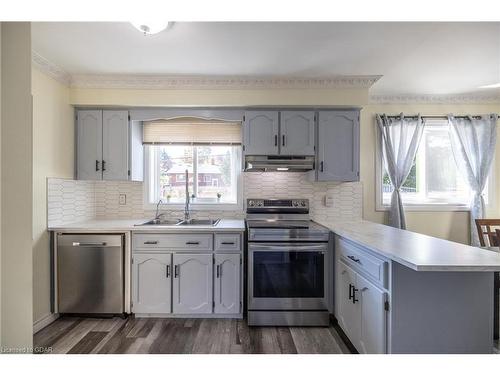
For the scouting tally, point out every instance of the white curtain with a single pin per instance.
(400, 139)
(473, 143)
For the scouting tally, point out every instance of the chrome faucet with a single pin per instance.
(187, 216)
(158, 216)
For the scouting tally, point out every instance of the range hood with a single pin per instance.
(278, 163)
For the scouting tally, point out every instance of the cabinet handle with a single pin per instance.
(321, 164)
(354, 259)
(168, 271)
(275, 140)
(218, 271)
(176, 271)
(193, 243)
(97, 165)
(227, 243)
(151, 243)
(103, 165)
(350, 291)
(283, 141)
(354, 290)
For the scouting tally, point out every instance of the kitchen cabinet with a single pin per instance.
(227, 290)
(338, 146)
(106, 143)
(151, 283)
(360, 298)
(192, 284)
(261, 133)
(297, 133)
(89, 145)
(279, 133)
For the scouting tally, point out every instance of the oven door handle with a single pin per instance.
(287, 247)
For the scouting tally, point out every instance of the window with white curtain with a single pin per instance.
(210, 151)
(434, 182)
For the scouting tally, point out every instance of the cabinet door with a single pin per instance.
(297, 133)
(349, 311)
(89, 145)
(373, 317)
(192, 290)
(261, 132)
(115, 143)
(151, 283)
(227, 287)
(338, 146)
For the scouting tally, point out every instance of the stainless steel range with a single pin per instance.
(288, 258)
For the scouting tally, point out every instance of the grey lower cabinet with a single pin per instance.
(170, 278)
(192, 284)
(152, 283)
(360, 299)
(106, 143)
(337, 156)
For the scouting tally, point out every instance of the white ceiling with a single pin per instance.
(414, 58)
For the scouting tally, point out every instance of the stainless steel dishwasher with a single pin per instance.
(90, 273)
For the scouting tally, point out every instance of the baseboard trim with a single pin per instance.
(44, 322)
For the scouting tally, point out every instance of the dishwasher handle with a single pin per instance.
(89, 244)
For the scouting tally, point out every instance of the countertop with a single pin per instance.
(125, 225)
(416, 251)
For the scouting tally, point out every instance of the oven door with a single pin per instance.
(287, 276)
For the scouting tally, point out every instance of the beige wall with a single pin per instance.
(53, 156)
(17, 187)
(449, 225)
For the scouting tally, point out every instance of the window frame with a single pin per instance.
(422, 207)
(195, 206)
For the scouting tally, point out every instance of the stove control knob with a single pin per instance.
(251, 203)
(295, 204)
(303, 203)
(259, 203)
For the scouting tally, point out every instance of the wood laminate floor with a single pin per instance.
(184, 336)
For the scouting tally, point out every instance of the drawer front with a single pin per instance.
(179, 241)
(228, 242)
(359, 259)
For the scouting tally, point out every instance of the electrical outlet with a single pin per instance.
(122, 199)
(328, 201)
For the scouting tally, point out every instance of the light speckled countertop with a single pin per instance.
(125, 225)
(416, 251)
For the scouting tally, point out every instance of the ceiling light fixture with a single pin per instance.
(150, 28)
(493, 86)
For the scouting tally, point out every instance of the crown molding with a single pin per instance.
(51, 69)
(157, 82)
(465, 98)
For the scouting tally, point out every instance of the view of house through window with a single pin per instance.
(212, 173)
(434, 178)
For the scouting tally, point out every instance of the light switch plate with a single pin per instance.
(122, 199)
(328, 201)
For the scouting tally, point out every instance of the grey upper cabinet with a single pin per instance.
(107, 146)
(261, 132)
(115, 141)
(338, 146)
(89, 145)
(297, 133)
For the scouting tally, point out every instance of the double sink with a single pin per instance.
(179, 222)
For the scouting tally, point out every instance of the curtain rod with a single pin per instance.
(437, 117)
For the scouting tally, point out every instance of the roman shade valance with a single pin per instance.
(192, 131)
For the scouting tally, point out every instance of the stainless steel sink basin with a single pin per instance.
(211, 222)
(161, 222)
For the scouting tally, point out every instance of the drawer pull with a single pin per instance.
(354, 259)
(350, 291)
(151, 243)
(193, 243)
(227, 243)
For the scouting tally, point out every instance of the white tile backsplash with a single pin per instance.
(70, 201)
